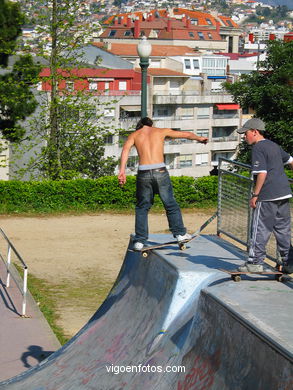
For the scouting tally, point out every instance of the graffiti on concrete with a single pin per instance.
(201, 375)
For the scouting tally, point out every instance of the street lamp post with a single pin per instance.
(144, 49)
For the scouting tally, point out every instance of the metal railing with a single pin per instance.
(8, 264)
(234, 212)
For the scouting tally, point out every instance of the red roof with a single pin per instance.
(124, 49)
(89, 72)
(202, 18)
(164, 29)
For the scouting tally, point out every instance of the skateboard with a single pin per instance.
(182, 246)
(236, 275)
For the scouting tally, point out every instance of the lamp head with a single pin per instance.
(144, 48)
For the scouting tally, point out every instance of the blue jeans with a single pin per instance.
(149, 183)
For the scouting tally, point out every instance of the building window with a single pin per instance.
(90, 113)
(194, 21)
(195, 64)
(201, 159)
(93, 85)
(209, 21)
(108, 140)
(187, 112)
(224, 133)
(210, 35)
(185, 160)
(70, 86)
(127, 33)
(187, 64)
(159, 81)
(200, 35)
(112, 33)
(132, 162)
(203, 112)
(202, 132)
(190, 33)
(163, 112)
(218, 155)
(109, 112)
(175, 85)
(122, 85)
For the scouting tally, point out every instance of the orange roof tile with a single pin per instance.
(157, 50)
(203, 18)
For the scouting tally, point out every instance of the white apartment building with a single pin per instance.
(183, 103)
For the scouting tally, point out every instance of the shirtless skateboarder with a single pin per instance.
(153, 177)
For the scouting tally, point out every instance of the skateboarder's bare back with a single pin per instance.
(149, 143)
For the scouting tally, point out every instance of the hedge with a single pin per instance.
(103, 193)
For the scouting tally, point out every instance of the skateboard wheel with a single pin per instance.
(182, 247)
(144, 254)
(236, 278)
(279, 278)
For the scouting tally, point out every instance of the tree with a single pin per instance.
(11, 20)
(73, 141)
(16, 98)
(269, 93)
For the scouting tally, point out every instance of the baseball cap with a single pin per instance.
(253, 123)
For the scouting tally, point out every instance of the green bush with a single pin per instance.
(102, 193)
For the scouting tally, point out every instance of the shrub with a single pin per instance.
(102, 193)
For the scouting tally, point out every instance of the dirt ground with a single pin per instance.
(81, 255)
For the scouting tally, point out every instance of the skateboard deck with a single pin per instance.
(182, 246)
(236, 275)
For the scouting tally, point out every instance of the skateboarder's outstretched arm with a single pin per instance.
(124, 157)
(185, 134)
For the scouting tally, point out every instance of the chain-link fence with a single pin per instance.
(234, 213)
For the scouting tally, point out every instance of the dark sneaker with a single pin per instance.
(287, 269)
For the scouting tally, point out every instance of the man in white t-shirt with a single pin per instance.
(270, 199)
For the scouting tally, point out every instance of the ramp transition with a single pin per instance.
(177, 309)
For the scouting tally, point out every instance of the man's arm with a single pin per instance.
(185, 134)
(261, 177)
(124, 157)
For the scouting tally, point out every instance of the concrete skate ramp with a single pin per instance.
(177, 309)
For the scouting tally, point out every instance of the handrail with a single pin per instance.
(7, 263)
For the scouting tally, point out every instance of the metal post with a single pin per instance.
(8, 265)
(219, 219)
(144, 64)
(24, 291)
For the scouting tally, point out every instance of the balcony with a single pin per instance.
(227, 115)
(228, 138)
(115, 93)
(190, 97)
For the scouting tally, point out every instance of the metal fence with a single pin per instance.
(234, 213)
(7, 260)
